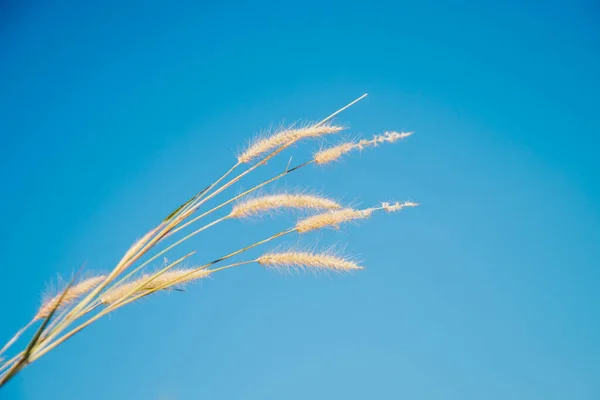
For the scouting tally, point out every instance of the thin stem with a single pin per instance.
(91, 307)
(8, 363)
(287, 171)
(237, 164)
(341, 109)
(45, 349)
(235, 253)
(55, 322)
(16, 336)
(212, 271)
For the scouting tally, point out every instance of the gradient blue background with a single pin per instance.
(111, 115)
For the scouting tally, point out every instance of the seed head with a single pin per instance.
(332, 218)
(322, 261)
(332, 154)
(72, 294)
(284, 137)
(267, 203)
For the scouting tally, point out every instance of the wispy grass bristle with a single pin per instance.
(334, 153)
(267, 203)
(283, 137)
(331, 219)
(310, 260)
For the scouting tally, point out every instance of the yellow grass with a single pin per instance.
(83, 302)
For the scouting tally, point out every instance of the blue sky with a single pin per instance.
(112, 115)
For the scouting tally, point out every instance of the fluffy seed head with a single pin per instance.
(332, 218)
(284, 137)
(138, 245)
(271, 202)
(311, 260)
(165, 280)
(72, 294)
(332, 154)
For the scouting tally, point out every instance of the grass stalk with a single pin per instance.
(128, 281)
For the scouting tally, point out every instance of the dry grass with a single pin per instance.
(83, 302)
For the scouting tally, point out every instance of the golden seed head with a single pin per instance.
(72, 294)
(332, 154)
(137, 246)
(271, 202)
(323, 261)
(287, 136)
(331, 218)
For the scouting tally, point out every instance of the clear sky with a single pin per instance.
(112, 115)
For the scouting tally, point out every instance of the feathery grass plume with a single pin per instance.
(73, 293)
(267, 203)
(332, 218)
(167, 279)
(322, 261)
(337, 217)
(334, 153)
(287, 136)
(135, 248)
(131, 278)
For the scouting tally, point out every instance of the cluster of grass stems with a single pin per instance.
(84, 301)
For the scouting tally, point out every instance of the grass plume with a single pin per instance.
(263, 145)
(334, 153)
(133, 277)
(310, 260)
(262, 204)
(71, 295)
(331, 219)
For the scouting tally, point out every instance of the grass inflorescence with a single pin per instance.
(84, 301)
